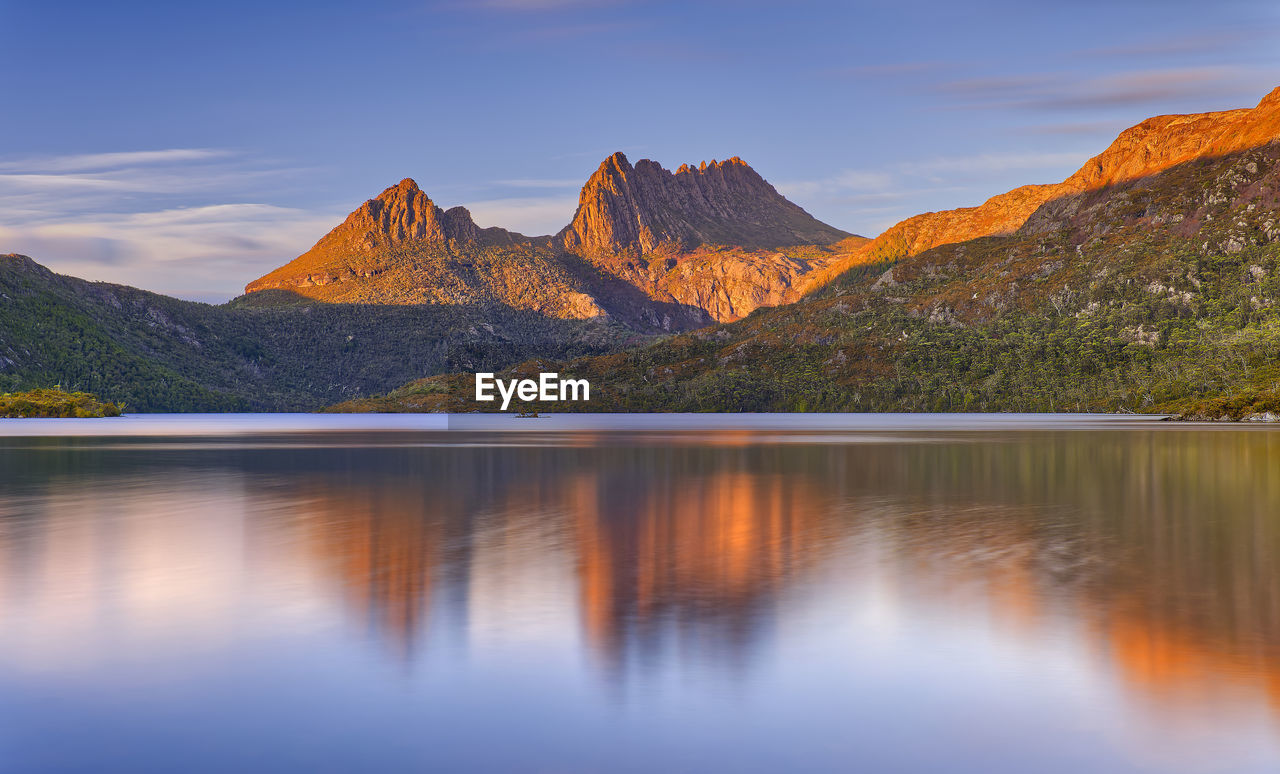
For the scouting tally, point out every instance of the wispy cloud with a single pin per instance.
(839, 183)
(170, 220)
(87, 182)
(1073, 128)
(90, 161)
(203, 253)
(993, 163)
(886, 70)
(1067, 92)
(534, 215)
(1208, 42)
(542, 5)
(541, 183)
(943, 172)
(873, 199)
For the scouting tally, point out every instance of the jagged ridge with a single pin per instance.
(719, 226)
(646, 208)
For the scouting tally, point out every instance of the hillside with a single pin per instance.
(647, 248)
(273, 351)
(1147, 149)
(1147, 283)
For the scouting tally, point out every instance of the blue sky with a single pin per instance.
(190, 147)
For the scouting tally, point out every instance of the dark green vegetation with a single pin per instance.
(1153, 296)
(268, 351)
(55, 402)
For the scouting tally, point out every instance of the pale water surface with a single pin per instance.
(749, 594)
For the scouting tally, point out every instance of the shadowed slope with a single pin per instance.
(156, 353)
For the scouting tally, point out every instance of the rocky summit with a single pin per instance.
(398, 217)
(648, 248)
(644, 208)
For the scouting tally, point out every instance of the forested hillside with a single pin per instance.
(262, 352)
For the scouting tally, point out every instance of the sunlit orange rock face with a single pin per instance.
(1153, 146)
(644, 208)
(647, 247)
(400, 248)
(716, 238)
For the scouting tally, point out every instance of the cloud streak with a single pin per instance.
(531, 215)
(201, 253)
(100, 161)
(169, 220)
(1064, 92)
(873, 199)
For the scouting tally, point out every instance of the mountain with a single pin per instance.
(271, 351)
(400, 248)
(1147, 281)
(646, 209)
(647, 248)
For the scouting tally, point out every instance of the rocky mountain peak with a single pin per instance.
(402, 213)
(645, 208)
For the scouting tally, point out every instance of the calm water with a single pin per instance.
(888, 597)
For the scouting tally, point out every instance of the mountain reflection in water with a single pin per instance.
(1141, 568)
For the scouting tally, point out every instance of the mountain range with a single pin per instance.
(1145, 281)
(403, 289)
(652, 249)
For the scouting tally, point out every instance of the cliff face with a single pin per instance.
(715, 239)
(645, 208)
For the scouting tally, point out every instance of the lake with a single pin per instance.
(639, 594)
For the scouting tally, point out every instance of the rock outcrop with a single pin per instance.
(645, 208)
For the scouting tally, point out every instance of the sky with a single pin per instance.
(188, 148)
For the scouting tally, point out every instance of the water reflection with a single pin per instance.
(1151, 556)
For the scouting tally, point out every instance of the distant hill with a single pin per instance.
(648, 248)
(269, 351)
(1147, 281)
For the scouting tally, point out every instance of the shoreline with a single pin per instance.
(222, 425)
